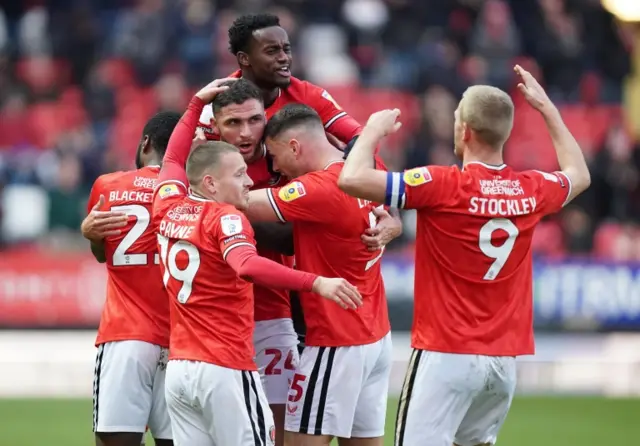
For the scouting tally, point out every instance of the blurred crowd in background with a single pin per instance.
(79, 78)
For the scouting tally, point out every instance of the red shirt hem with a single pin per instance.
(160, 341)
(247, 367)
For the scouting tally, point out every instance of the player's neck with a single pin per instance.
(327, 154)
(269, 94)
(155, 161)
(481, 154)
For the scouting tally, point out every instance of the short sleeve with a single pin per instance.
(232, 230)
(304, 199)
(94, 196)
(165, 194)
(553, 190)
(422, 187)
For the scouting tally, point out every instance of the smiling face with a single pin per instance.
(243, 126)
(270, 57)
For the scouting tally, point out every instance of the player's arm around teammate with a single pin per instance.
(99, 224)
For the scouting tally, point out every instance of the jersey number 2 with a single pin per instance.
(501, 253)
(186, 275)
(120, 255)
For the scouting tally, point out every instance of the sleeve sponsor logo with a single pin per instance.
(231, 225)
(168, 190)
(292, 191)
(417, 176)
(328, 97)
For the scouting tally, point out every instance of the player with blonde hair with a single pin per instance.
(473, 281)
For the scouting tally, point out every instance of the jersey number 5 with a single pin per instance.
(171, 269)
(120, 255)
(501, 253)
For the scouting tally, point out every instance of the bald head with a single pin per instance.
(488, 111)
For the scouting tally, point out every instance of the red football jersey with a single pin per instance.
(136, 307)
(473, 265)
(270, 303)
(327, 226)
(211, 307)
(298, 92)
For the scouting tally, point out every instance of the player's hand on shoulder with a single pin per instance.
(338, 290)
(384, 122)
(532, 90)
(209, 92)
(100, 224)
(386, 229)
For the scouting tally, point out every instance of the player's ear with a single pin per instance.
(145, 144)
(294, 145)
(466, 132)
(243, 59)
(214, 126)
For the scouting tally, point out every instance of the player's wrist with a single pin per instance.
(316, 285)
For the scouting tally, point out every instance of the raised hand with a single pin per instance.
(532, 90)
(209, 92)
(100, 224)
(338, 290)
(384, 122)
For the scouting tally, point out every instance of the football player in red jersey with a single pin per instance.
(473, 280)
(340, 386)
(240, 120)
(264, 56)
(133, 337)
(263, 52)
(208, 256)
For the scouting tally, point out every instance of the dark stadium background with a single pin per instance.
(79, 78)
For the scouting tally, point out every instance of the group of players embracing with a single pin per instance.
(196, 340)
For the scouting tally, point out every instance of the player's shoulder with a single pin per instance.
(127, 178)
(420, 175)
(541, 177)
(226, 217)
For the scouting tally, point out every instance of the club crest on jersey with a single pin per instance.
(292, 191)
(417, 176)
(231, 224)
(328, 97)
(168, 190)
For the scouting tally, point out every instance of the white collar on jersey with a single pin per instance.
(331, 163)
(488, 166)
(195, 196)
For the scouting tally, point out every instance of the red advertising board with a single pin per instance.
(50, 289)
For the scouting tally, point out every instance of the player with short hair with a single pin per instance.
(473, 280)
(133, 336)
(240, 120)
(209, 260)
(263, 52)
(340, 386)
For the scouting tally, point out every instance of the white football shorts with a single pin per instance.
(341, 391)
(128, 389)
(453, 398)
(211, 405)
(277, 357)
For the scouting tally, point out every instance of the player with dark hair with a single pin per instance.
(263, 51)
(133, 337)
(340, 386)
(209, 261)
(473, 286)
(240, 120)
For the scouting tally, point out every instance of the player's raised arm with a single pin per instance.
(570, 157)
(236, 243)
(173, 165)
(359, 178)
